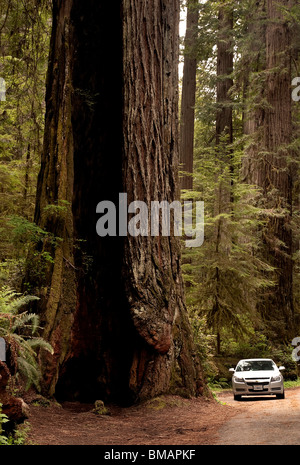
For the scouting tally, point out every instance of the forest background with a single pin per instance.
(240, 142)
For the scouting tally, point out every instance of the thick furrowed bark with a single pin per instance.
(114, 306)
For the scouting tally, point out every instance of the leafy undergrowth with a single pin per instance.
(292, 384)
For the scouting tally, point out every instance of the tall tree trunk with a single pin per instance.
(153, 285)
(277, 177)
(267, 165)
(224, 123)
(253, 113)
(113, 307)
(26, 180)
(53, 213)
(188, 98)
(224, 71)
(224, 139)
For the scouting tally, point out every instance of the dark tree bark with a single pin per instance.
(113, 307)
(224, 137)
(224, 78)
(277, 177)
(54, 199)
(188, 98)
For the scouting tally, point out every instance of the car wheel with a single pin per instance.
(280, 396)
(237, 397)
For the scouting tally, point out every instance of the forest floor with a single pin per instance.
(167, 420)
(171, 420)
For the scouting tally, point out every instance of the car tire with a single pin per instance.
(280, 396)
(237, 397)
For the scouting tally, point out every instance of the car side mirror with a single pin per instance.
(232, 370)
(281, 368)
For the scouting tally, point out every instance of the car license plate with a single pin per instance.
(257, 387)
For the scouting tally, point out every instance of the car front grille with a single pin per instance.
(263, 383)
(257, 381)
(251, 382)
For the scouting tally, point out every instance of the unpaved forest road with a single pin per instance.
(252, 421)
(263, 420)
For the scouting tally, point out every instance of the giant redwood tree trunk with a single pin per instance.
(113, 307)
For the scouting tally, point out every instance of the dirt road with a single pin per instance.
(172, 421)
(168, 420)
(262, 420)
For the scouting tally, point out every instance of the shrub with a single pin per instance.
(3, 419)
(18, 327)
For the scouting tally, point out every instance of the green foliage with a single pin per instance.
(17, 438)
(3, 419)
(24, 37)
(20, 234)
(203, 341)
(255, 344)
(57, 210)
(23, 64)
(226, 278)
(19, 328)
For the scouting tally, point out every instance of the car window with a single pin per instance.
(255, 365)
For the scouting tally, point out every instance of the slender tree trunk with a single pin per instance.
(113, 307)
(188, 98)
(224, 124)
(224, 137)
(26, 180)
(224, 83)
(253, 116)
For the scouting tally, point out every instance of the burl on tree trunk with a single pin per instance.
(113, 307)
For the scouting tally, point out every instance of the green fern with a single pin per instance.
(3, 419)
(18, 327)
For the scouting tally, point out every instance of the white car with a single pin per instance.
(257, 377)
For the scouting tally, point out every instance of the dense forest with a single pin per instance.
(101, 99)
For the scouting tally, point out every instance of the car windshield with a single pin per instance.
(255, 365)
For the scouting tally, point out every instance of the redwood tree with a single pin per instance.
(188, 98)
(277, 176)
(224, 139)
(268, 164)
(113, 307)
(224, 75)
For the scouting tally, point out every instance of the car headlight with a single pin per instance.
(276, 378)
(238, 379)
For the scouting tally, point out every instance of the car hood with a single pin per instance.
(257, 374)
